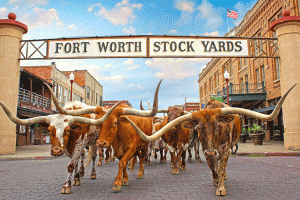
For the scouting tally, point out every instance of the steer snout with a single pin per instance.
(211, 153)
(103, 144)
(57, 151)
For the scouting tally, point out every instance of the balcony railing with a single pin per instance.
(34, 98)
(244, 88)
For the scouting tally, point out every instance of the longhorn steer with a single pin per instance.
(194, 142)
(125, 141)
(176, 139)
(69, 134)
(215, 138)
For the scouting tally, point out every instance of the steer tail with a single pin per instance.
(89, 158)
(132, 162)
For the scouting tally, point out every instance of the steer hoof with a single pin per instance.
(117, 188)
(140, 176)
(93, 176)
(199, 161)
(172, 165)
(190, 160)
(175, 171)
(221, 192)
(76, 182)
(148, 163)
(66, 190)
(81, 172)
(225, 177)
(183, 168)
(106, 162)
(125, 183)
(99, 163)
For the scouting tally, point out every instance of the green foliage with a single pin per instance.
(244, 131)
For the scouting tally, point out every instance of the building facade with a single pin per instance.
(34, 101)
(254, 83)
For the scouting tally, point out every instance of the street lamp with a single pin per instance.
(226, 76)
(71, 80)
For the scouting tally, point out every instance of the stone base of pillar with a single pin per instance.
(292, 141)
(7, 144)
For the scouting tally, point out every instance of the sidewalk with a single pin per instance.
(269, 148)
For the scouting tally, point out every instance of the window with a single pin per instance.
(100, 100)
(246, 61)
(204, 91)
(246, 78)
(66, 95)
(230, 67)
(96, 98)
(92, 95)
(216, 79)
(262, 71)
(201, 92)
(258, 44)
(88, 92)
(59, 93)
(257, 76)
(241, 63)
(277, 69)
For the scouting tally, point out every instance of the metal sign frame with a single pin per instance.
(256, 47)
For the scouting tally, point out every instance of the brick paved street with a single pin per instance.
(248, 178)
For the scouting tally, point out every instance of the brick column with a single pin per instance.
(11, 32)
(287, 31)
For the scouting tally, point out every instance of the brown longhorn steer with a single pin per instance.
(215, 138)
(125, 141)
(177, 139)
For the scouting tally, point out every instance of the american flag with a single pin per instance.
(232, 14)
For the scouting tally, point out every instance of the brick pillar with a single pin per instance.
(11, 32)
(287, 31)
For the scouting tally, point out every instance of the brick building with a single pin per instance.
(254, 83)
(110, 104)
(85, 87)
(34, 100)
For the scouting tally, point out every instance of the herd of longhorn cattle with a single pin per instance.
(132, 133)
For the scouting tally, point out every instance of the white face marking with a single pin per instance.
(60, 122)
(153, 130)
(185, 146)
(171, 148)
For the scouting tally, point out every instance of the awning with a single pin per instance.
(270, 108)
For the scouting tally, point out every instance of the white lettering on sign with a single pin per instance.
(198, 47)
(110, 47)
(147, 46)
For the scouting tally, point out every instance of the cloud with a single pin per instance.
(132, 68)
(149, 33)
(129, 30)
(114, 78)
(72, 26)
(128, 62)
(41, 17)
(30, 3)
(210, 17)
(184, 5)
(3, 13)
(107, 66)
(176, 68)
(121, 14)
(215, 33)
(242, 9)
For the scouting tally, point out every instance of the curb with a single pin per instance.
(31, 158)
(269, 154)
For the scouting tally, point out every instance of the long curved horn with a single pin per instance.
(149, 106)
(163, 130)
(143, 113)
(16, 120)
(96, 121)
(253, 114)
(141, 105)
(87, 110)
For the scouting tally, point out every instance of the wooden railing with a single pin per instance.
(243, 88)
(34, 98)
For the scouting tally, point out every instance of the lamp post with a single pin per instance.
(226, 76)
(71, 80)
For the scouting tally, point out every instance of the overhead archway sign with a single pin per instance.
(144, 47)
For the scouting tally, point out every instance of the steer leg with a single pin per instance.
(81, 171)
(100, 150)
(122, 166)
(221, 191)
(142, 156)
(79, 147)
(76, 176)
(94, 155)
(174, 160)
(190, 154)
(212, 165)
(197, 154)
(183, 155)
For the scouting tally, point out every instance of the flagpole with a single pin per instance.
(227, 25)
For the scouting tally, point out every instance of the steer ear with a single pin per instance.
(225, 118)
(190, 124)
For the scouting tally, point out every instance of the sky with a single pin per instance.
(132, 79)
